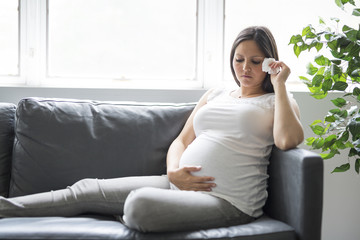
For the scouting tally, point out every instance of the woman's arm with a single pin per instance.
(182, 177)
(288, 131)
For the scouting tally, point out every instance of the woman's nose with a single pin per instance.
(246, 66)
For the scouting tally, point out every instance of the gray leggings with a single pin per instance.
(146, 204)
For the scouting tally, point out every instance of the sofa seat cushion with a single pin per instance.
(103, 227)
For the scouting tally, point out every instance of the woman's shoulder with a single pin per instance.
(215, 93)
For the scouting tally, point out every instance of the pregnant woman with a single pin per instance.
(216, 167)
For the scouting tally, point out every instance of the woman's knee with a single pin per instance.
(141, 208)
(84, 183)
(85, 188)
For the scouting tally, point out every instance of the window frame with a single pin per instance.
(14, 79)
(33, 44)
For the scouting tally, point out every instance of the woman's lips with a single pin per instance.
(246, 76)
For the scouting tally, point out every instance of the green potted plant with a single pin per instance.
(336, 68)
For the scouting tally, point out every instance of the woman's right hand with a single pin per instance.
(185, 180)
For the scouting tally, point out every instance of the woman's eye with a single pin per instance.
(253, 61)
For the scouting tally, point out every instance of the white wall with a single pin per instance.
(341, 215)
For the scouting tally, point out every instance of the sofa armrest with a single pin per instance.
(296, 191)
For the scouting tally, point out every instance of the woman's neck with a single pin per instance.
(248, 93)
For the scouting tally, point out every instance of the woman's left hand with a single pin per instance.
(281, 76)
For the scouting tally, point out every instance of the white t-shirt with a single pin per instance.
(234, 138)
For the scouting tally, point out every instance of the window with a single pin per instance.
(9, 38)
(142, 43)
(122, 39)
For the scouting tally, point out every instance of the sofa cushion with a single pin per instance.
(60, 141)
(7, 115)
(101, 227)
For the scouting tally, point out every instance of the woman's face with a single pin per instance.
(247, 64)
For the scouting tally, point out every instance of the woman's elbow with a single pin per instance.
(289, 143)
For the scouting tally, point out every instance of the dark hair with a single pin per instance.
(265, 41)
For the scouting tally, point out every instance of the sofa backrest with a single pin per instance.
(60, 141)
(7, 115)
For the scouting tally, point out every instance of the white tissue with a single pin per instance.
(266, 68)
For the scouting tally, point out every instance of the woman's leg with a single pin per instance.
(105, 196)
(160, 210)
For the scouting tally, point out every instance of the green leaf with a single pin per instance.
(296, 39)
(339, 4)
(330, 119)
(342, 168)
(339, 102)
(315, 122)
(356, 91)
(321, 71)
(333, 45)
(349, 145)
(321, 20)
(352, 152)
(328, 155)
(341, 145)
(357, 165)
(319, 95)
(318, 143)
(352, 2)
(322, 61)
(327, 84)
(317, 92)
(305, 79)
(343, 114)
(318, 130)
(356, 12)
(329, 141)
(311, 35)
(355, 73)
(306, 30)
(318, 46)
(317, 80)
(344, 136)
(340, 86)
(354, 128)
(346, 28)
(352, 35)
(309, 141)
(336, 62)
(325, 156)
(297, 50)
(335, 111)
(335, 70)
(311, 70)
(327, 73)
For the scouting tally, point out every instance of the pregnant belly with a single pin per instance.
(215, 159)
(239, 178)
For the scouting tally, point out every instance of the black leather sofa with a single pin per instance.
(47, 144)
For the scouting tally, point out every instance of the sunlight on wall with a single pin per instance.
(284, 18)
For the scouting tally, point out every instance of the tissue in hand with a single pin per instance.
(266, 68)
